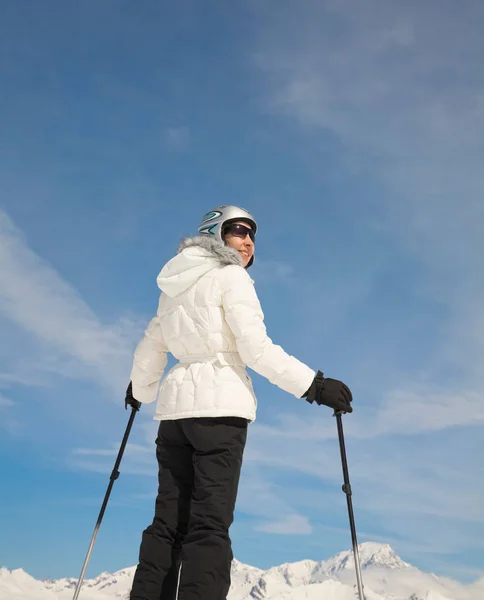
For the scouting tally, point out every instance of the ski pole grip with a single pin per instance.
(135, 404)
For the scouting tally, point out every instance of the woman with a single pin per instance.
(210, 319)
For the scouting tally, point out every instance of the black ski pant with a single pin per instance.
(187, 548)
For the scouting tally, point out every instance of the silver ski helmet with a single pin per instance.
(214, 222)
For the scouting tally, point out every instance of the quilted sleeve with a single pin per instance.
(245, 318)
(149, 362)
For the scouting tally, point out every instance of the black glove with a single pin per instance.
(331, 392)
(130, 399)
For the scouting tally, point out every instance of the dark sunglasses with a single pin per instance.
(240, 231)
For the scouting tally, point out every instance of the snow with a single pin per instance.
(371, 554)
(385, 577)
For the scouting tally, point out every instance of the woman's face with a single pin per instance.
(243, 245)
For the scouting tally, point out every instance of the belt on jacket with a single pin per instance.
(226, 359)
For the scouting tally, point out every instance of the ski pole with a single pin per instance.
(112, 479)
(347, 490)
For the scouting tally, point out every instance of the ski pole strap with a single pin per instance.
(316, 385)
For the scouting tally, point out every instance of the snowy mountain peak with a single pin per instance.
(385, 576)
(16, 574)
(372, 554)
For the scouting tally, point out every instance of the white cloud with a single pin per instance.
(11, 378)
(38, 300)
(292, 525)
(95, 452)
(424, 411)
(177, 139)
(378, 86)
(133, 449)
(396, 88)
(268, 271)
(264, 501)
(5, 402)
(8, 418)
(138, 459)
(408, 412)
(418, 474)
(413, 487)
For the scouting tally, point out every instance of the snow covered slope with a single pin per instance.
(385, 576)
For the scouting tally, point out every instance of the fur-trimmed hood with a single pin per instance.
(196, 256)
(225, 254)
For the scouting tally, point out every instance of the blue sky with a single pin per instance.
(354, 133)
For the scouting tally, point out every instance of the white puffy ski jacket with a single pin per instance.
(210, 319)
